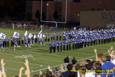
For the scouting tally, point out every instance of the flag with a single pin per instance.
(16, 35)
(30, 35)
(26, 33)
(41, 29)
(2, 36)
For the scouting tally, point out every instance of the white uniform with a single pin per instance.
(41, 38)
(2, 38)
(16, 37)
(35, 38)
(30, 38)
(26, 39)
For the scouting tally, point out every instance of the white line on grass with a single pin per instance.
(33, 64)
(58, 65)
(33, 71)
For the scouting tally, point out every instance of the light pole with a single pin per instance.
(41, 11)
(66, 10)
(47, 5)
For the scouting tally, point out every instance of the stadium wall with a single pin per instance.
(95, 19)
(73, 10)
(97, 5)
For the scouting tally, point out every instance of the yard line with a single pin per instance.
(20, 62)
(52, 66)
(60, 64)
(43, 69)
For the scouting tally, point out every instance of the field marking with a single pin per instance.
(38, 53)
(44, 69)
(52, 66)
(24, 56)
(35, 53)
(20, 58)
(33, 64)
(33, 71)
(19, 61)
(60, 64)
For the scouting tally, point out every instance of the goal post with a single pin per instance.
(55, 22)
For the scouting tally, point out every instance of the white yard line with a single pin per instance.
(34, 71)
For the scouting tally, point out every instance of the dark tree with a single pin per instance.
(56, 16)
(44, 16)
(37, 14)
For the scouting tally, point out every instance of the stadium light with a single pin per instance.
(47, 4)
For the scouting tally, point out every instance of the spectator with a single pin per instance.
(66, 62)
(97, 68)
(20, 71)
(3, 68)
(74, 61)
(109, 66)
(100, 57)
(27, 72)
(69, 72)
(108, 58)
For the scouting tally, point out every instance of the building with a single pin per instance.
(86, 12)
(97, 13)
(59, 6)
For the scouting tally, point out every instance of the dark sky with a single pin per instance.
(7, 3)
(11, 3)
(12, 8)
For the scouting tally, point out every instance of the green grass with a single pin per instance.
(40, 56)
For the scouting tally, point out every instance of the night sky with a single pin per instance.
(12, 8)
(10, 4)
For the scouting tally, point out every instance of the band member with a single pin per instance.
(2, 40)
(41, 38)
(26, 39)
(30, 36)
(16, 37)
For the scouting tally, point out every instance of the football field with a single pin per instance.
(39, 56)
